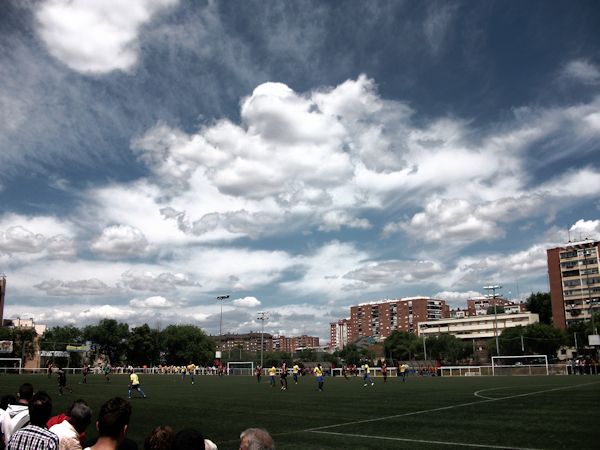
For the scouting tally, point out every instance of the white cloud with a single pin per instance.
(587, 229)
(107, 312)
(393, 272)
(435, 27)
(71, 288)
(156, 302)
(144, 280)
(582, 70)
(247, 302)
(95, 36)
(121, 241)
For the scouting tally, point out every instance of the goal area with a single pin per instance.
(520, 365)
(10, 365)
(240, 368)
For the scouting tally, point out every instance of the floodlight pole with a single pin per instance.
(221, 298)
(493, 297)
(262, 316)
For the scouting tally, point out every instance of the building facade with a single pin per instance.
(250, 342)
(339, 334)
(476, 327)
(574, 282)
(379, 319)
(478, 306)
(293, 344)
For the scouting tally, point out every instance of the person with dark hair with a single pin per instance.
(256, 439)
(71, 432)
(160, 438)
(192, 439)
(16, 415)
(36, 435)
(112, 424)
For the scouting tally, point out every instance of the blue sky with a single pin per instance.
(299, 156)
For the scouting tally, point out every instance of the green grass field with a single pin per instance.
(555, 412)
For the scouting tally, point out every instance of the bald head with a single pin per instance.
(256, 439)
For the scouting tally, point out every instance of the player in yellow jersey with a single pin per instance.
(272, 374)
(367, 375)
(134, 384)
(190, 369)
(318, 371)
(295, 372)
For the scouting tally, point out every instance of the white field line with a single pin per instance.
(478, 393)
(423, 441)
(443, 408)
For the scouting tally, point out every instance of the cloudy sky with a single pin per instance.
(299, 156)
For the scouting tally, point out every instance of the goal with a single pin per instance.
(520, 365)
(10, 365)
(240, 368)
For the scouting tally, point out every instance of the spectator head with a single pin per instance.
(161, 438)
(7, 400)
(25, 392)
(113, 418)
(188, 439)
(256, 439)
(40, 409)
(80, 415)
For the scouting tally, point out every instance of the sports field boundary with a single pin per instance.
(444, 408)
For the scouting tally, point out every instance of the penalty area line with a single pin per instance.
(443, 408)
(423, 441)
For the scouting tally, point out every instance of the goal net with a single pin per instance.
(240, 368)
(10, 365)
(520, 365)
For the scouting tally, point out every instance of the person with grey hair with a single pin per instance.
(69, 431)
(256, 439)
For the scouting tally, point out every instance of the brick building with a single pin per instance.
(339, 334)
(379, 319)
(574, 281)
(249, 342)
(292, 344)
(478, 306)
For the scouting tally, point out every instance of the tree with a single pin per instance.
(57, 338)
(538, 339)
(275, 358)
(402, 345)
(143, 346)
(307, 355)
(185, 343)
(448, 348)
(24, 342)
(350, 354)
(541, 304)
(499, 310)
(110, 338)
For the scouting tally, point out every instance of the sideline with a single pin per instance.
(423, 441)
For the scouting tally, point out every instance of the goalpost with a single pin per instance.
(520, 365)
(10, 365)
(240, 368)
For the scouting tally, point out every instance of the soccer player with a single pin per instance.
(84, 372)
(403, 371)
(106, 370)
(384, 371)
(367, 375)
(134, 384)
(295, 371)
(190, 369)
(345, 371)
(283, 376)
(258, 373)
(318, 371)
(272, 373)
(62, 381)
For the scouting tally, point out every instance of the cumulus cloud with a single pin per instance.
(582, 70)
(247, 302)
(457, 298)
(71, 288)
(587, 229)
(95, 36)
(19, 240)
(156, 302)
(121, 241)
(140, 280)
(393, 271)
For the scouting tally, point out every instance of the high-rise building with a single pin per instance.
(379, 319)
(338, 334)
(574, 281)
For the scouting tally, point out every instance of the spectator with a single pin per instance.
(17, 415)
(161, 438)
(112, 424)
(71, 431)
(189, 439)
(256, 439)
(36, 435)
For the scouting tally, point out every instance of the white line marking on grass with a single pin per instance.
(443, 408)
(478, 393)
(423, 441)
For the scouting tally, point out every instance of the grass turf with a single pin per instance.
(556, 412)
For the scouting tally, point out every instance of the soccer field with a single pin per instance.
(549, 412)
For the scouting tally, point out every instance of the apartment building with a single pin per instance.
(249, 342)
(292, 344)
(339, 334)
(478, 306)
(378, 319)
(574, 281)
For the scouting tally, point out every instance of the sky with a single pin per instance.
(298, 156)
